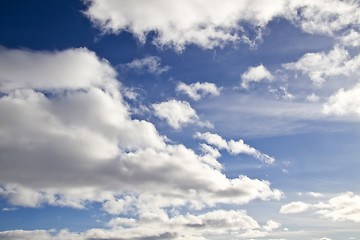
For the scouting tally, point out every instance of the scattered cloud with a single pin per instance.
(319, 66)
(344, 102)
(344, 207)
(178, 113)
(255, 74)
(312, 98)
(315, 194)
(158, 225)
(294, 207)
(351, 39)
(198, 90)
(150, 64)
(234, 147)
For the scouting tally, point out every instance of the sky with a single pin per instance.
(169, 119)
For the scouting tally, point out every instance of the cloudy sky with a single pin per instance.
(191, 119)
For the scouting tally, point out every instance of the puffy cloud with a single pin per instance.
(67, 139)
(351, 39)
(312, 98)
(198, 90)
(234, 147)
(255, 74)
(213, 23)
(178, 113)
(323, 16)
(294, 207)
(321, 65)
(187, 226)
(149, 64)
(344, 207)
(207, 23)
(344, 102)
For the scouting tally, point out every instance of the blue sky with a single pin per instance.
(180, 119)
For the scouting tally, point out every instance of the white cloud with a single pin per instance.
(234, 147)
(255, 74)
(151, 64)
(315, 194)
(178, 113)
(312, 98)
(344, 102)
(344, 207)
(62, 120)
(351, 39)
(294, 207)
(213, 23)
(323, 16)
(158, 225)
(207, 23)
(198, 90)
(319, 66)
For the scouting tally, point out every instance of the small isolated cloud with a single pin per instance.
(255, 74)
(198, 90)
(344, 102)
(151, 64)
(312, 98)
(178, 113)
(315, 194)
(234, 147)
(294, 207)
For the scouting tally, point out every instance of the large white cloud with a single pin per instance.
(215, 23)
(67, 139)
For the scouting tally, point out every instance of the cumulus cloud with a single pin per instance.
(344, 207)
(188, 226)
(255, 74)
(234, 147)
(319, 66)
(151, 64)
(210, 24)
(198, 90)
(351, 39)
(67, 139)
(178, 113)
(294, 207)
(344, 102)
(207, 23)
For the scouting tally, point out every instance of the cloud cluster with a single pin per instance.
(67, 139)
(344, 207)
(178, 113)
(198, 90)
(161, 226)
(255, 74)
(213, 23)
(234, 147)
